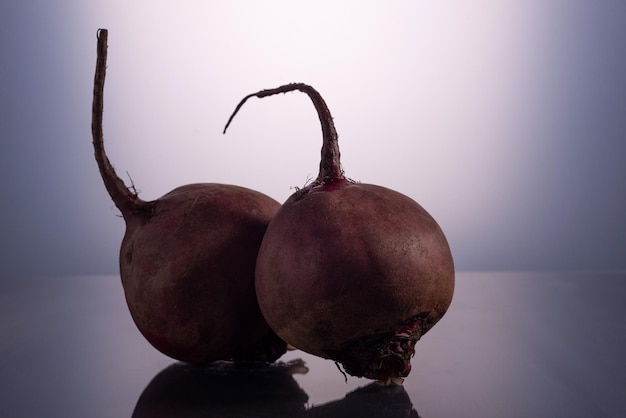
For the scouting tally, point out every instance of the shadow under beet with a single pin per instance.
(225, 389)
(371, 401)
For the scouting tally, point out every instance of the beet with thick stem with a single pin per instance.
(352, 272)
(187, 260)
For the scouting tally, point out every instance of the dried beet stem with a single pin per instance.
(126, 200)
(330, 165)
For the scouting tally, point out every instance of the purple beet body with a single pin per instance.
(187, 261)
(352, 272)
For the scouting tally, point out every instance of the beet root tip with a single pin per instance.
(385, 357)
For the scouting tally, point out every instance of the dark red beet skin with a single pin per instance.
(187, 261)
(353, 272)
(188, 271)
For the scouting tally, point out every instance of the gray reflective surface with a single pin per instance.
(512, 344)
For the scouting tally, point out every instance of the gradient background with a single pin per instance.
(505, 119)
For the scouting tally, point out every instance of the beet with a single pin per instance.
(187, 261)
(352, 272)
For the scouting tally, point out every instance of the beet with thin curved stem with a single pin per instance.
(353, 272)
(187, 260)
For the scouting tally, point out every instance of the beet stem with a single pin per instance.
(330, 164)
(126, 200)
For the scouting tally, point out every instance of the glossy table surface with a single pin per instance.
(513, 344)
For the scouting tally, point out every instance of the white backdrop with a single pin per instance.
(504, 119)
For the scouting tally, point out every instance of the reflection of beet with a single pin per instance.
(224, 389)
(352, 272)
(187, 261)
(372, 401)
